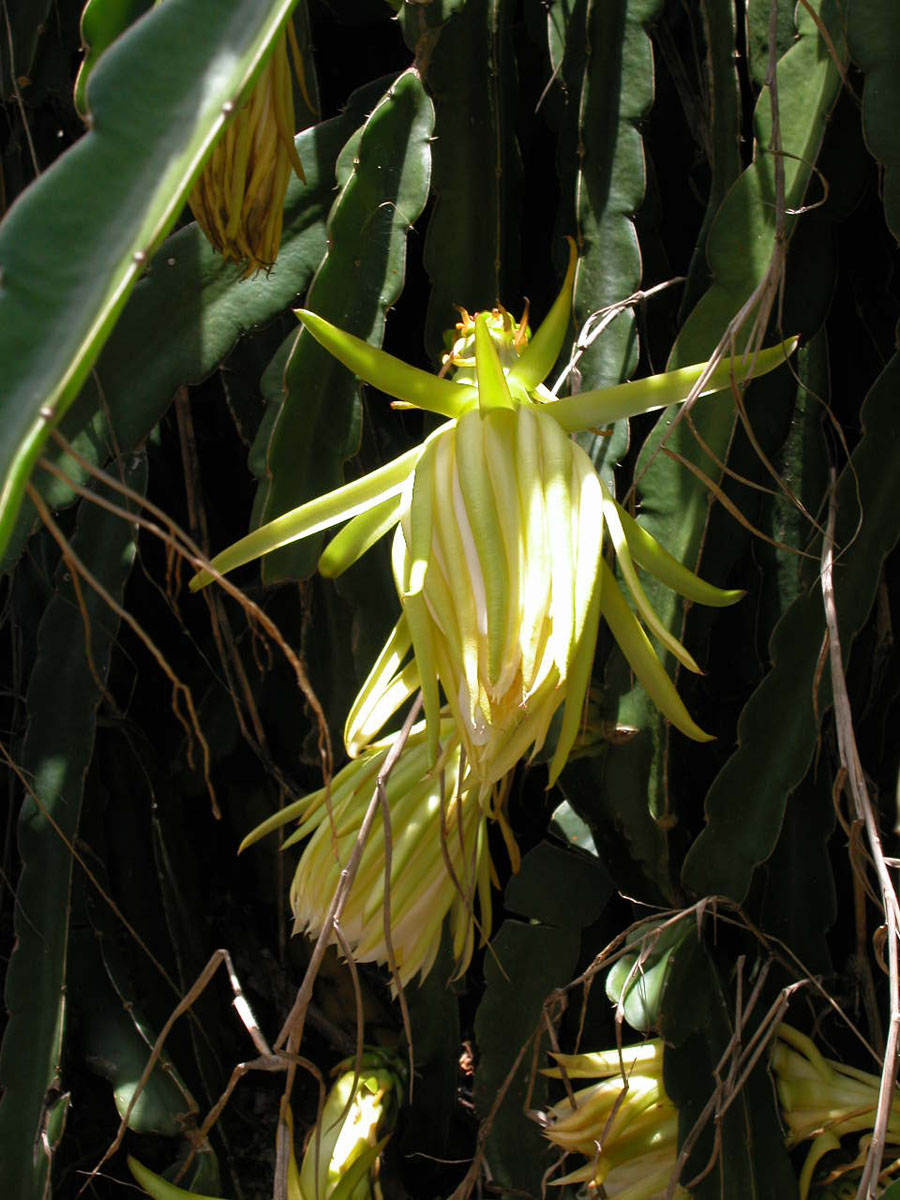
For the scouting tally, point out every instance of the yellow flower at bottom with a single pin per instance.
(823, 1100)
(440, 863)
(238, 200)
(625, 1126)
(342, 1151)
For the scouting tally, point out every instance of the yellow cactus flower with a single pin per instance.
(625, 1125)
(238, 200)
(823, 1100)
(500, 518)
(507, 609)
(440, 864)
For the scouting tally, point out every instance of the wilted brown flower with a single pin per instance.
(238, 200)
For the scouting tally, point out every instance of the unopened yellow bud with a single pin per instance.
(501, 539)
(341, 1156)
(823, 1100)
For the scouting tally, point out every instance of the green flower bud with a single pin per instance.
(636, 981)
(341, 1157)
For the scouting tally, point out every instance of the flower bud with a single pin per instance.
(823, 1100)
(496, 561)
(341, 1157)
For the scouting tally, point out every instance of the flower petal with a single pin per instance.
(493, 390)
(642, 604)
(540, 355)
(389, 684)
(357, 536)
(481, 508)
(636, 647)
(649, 554)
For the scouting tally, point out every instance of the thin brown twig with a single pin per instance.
(191, 722)
(292, 1031)
(245, 1013)
(761, 301)
(856, 783)
(598, 321)
(72, 561)
(14, 80)
(221, 629)
(464, 1190)
(826, 37)
(174, 537)
(729, 505)
(743, 1059)
(344, 947)
(236, 677)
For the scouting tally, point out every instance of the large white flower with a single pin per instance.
(496, 560)
(497, 557)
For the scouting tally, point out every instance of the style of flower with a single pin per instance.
(625, 1125)
(500, 519)
(238, 200)
(440, 863)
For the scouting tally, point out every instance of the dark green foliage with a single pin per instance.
(476, 166)
(778, 728)
(525, 964)
(67, 683)
(874, 32)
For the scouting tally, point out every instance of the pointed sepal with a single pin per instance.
(393, 376)
(593, 410)
(390, 683)
(357, 536)
(645, 609)
(493, 390)
(331, 509)
(649, 554)
(540, 355)
(642, 658)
